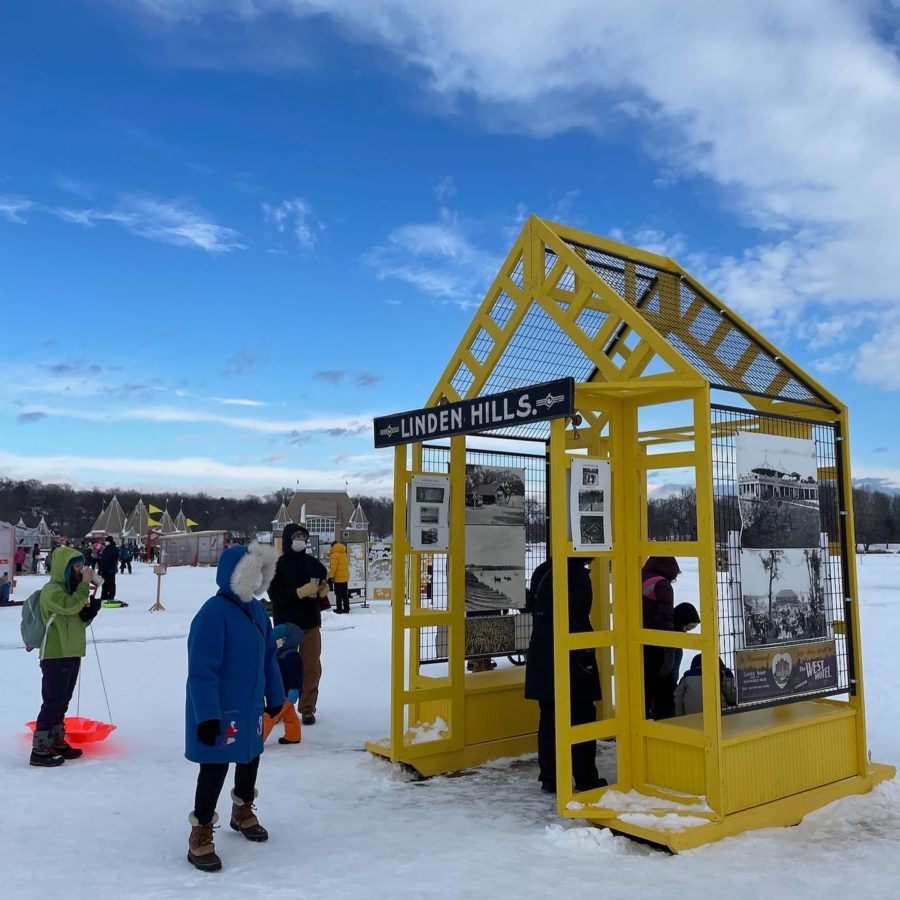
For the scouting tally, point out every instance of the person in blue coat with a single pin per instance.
(233, 680)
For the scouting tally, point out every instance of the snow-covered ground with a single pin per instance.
(344, 824)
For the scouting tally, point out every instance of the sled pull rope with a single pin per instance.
(102, 682)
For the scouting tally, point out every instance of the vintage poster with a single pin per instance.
(489, 635)
(776, 673)
(378, 582)
(495, 538)
(356, 558)
(428, 513)
(778, 491)
(783, 595)
(589, 510)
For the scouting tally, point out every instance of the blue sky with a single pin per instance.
(232, 232)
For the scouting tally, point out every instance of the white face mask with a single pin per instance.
(298, 546)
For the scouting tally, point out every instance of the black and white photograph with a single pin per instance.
(429, 495)
(495, 495)
(495, 568)
(589, 492)
(778, 491)
(783, 595)
(429, 515)
(590, 501)
(591, 530)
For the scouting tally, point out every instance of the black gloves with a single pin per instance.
(330, 584)
(272, 711)
(208, 731)
(87, 614)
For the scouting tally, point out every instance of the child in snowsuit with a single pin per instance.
(67, 610)
(233, 680)
(689, 693)
(288, 639)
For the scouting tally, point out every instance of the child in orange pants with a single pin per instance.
(288, 638)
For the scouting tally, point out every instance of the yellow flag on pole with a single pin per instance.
(152, 523)
(153, 509)
(190, 522)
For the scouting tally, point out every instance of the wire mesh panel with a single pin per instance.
(486, 635)
(781, 573)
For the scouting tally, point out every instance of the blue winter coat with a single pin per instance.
(232, 672)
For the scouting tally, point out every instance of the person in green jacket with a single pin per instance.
(67, 609)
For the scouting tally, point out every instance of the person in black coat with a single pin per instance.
(109, 563)
(297, 592)
(658, 610)
(583, 673)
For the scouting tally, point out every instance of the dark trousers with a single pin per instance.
(342, 597)
(211, 780)
(108, 591)
(122, 564)
(584, 765)
(659, 690)
(59, 677)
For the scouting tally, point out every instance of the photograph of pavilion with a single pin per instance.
(778, 491)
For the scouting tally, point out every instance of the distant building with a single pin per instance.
(327, 514)
(769, 483)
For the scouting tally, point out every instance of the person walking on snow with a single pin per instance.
(296, 592)
(288, 639)
(35, 558)
(339, 575)
(67, 611)
(233, 681)
(125, 556)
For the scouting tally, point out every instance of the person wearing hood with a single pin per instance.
(288, 639)
(108, 565)
(584, 677)
(67, 610)
(689, 693)
(661, 664)
(233, 681)
(339, 575)
(296, 592)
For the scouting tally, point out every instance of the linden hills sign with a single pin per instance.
(549, 400)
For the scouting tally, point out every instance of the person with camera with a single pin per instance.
(67, 610)
(299, 593)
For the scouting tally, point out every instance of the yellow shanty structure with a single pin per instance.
(667, 378)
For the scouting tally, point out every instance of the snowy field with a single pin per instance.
(343, 824)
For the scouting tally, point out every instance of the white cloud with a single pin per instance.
(791, 108)
(169, 222)
(190, 472)
(437, 257)
(238, 401)
(11, 209)
(295, 216)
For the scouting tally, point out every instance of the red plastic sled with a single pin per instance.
(80, 730)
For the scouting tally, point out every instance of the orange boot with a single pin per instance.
(292, 731)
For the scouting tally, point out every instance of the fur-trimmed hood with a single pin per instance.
(245, 572)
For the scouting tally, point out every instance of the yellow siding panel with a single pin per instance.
(771, 766)
(675, 766)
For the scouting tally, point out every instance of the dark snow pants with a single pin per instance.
(57, 686)
(211, 780)
(341, 597)
(108, 591)
(584, 765)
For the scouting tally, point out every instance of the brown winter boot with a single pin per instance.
(244, 820)
(201, 849)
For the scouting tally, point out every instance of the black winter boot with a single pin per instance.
(201, 849)
(243, 819)
(60, 746)
(42, 752)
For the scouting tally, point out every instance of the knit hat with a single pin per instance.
(685, 614)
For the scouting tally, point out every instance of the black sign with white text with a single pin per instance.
(549, 400)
